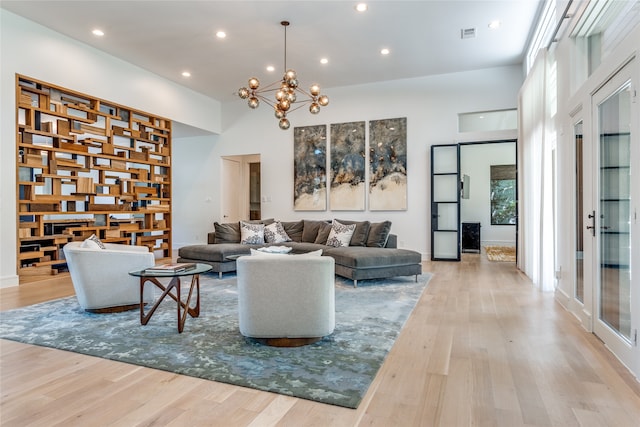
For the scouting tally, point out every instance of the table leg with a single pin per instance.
(175, 283)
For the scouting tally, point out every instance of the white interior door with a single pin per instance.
(231, 194)
(615, 260)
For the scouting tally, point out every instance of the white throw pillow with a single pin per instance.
(93, 242)
(251, 234)
(274, 233)
(340, 234)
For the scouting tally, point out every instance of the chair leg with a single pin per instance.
(355, 283)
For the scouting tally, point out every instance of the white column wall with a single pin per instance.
(573, 104)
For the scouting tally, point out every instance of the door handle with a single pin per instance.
(592, 227)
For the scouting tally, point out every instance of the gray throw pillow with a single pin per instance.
(378, 234)
(294, 230)
(228, 232)
(361, 232)
(310, 230)
(323, 234)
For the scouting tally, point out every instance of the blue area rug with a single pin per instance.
(336, 370)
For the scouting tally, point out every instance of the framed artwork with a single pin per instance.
(347, 166)
(310, 168)
(503, 194)
(388, 164)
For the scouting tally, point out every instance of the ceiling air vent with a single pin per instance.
(468, 33)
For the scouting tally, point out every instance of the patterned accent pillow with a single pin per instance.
(340, 234)
(251, 234)
(274, 233)
(93, 242)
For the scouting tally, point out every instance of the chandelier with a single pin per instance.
(286, 92)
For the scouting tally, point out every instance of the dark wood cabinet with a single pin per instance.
(471, 237)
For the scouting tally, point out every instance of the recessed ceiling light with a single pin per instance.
(494, 24)
(385, 51)
(186, 74)
(221, 34)
(271, 68)
(361, 7)
(324, 61)
(98, 32)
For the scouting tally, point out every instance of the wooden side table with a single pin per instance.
(184, 307)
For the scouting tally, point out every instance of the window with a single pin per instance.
(503, 194)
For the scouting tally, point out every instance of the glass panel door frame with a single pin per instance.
(616, 226)
(445, 202)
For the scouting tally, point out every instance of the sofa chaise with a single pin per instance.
(370, 253)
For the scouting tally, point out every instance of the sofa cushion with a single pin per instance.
(274, 233)
(378, 234)
(294, 230)
(213, 253)
(228, 232)
(310, 230)
(251, 234)
(361, 257)
(323, 234)
(340, 234)
(361, 232)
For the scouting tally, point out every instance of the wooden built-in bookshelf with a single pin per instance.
(87, 166)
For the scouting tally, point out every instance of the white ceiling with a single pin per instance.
(168, 37)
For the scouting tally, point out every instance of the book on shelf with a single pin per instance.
(175, 267)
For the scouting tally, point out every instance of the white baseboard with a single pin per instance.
(9, 281)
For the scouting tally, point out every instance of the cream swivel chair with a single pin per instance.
(100, 276)
(286, 300)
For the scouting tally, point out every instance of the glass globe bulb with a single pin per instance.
(323, 100)
(253, 102)
(243, 93)
(254, 83)
(284, 105)
(314, 90)
(284, 123)
(290, 74)
(314, 108)
(280, 95)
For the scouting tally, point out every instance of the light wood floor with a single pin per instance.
(481, 348)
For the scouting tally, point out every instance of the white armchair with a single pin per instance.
(100, 276)
(286, 300)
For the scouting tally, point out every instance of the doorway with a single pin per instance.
(241, 188)
(488, 206)
(473, 185)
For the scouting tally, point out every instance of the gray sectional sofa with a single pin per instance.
(372, 252)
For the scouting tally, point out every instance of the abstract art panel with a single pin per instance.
(388, 164)
(347, 166)
(310, 168)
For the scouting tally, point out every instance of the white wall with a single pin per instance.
(431, 105)
(35, 51)
(476, 161)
